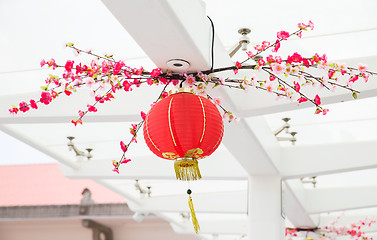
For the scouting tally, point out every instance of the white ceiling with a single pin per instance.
(338, 147)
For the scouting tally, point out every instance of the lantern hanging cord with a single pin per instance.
(213, 42)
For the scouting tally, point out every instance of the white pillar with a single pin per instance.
(264, 209)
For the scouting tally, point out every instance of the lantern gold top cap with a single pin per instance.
(181, 90)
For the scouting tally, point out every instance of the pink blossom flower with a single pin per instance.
(270, 59)
(13, 111)
(297, 58)
(316, 58)
(365, 76)
(43, 62)
(115, 163)
(164, 95)
(324, 58)
(127, 85)
(222, 80)
(190, 80)
(33, 104)
(261, 62)
(163, 80)
(235, 71)
(24, 107)
(311, 25)
(143, 115)
(123, 146)
(302, 26)
(150, 81)
(317, 111)
(302, 99)
(265, 44)
(299, 34)
(89, 82)
(297, 86)
(91, 108)
(69, 65)
(124, 161)
(238, 65)
(325, 111)
(283, 35)
(134, 140)
(278, 68)
(45, 98)
(51, 63)
(259, 48)
(250, 54)
(216, 101)
(116, 170)
(139, 71)
(276, 46)
(353, 79)
(269, 87)
(272, 77)
(331, 73)
(137, 82)
(363, 67)
(175, 82)
(278, 59)
(67, 92)
(306, 62)
(76, 121)
(155, 73)
(317, 100)
(81, 113)
(54, 94)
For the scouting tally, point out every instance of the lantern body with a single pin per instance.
(183, 126)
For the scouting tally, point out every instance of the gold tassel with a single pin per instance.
(187, 169)
(193, 215)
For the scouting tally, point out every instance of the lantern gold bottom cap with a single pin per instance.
(187, 169)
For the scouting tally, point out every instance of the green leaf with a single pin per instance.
(69, 45)
(354, 95)
(216, 84)
(95, 76)
(14, 106)
(332, 65)
(44, 88)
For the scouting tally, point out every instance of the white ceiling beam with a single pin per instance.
(293, 207)
(171, 30)
(339, 199)
(140, 168)
(38, 147)
(211, 202)
(256, 148)
(315, 160)
(251, 148)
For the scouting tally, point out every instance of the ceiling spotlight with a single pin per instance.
(242, 43)
(138, 216)
(178, 65)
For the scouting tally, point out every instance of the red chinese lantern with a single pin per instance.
(184, 127)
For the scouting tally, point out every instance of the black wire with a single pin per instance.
(213, 41)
